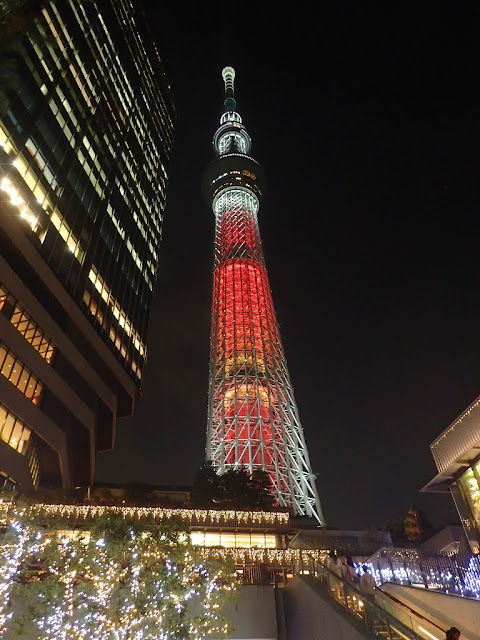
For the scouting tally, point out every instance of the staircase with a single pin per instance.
(373, 618)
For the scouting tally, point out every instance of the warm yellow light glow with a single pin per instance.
(89, 512)
(427, 633)
(232, 540)
(7, 186)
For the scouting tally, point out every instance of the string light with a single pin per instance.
(272, 557)
(125, 579)
(132, 572)
(80, 513)
(455, 573)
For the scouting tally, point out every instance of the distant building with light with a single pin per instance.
(84, 152)
(456, 452)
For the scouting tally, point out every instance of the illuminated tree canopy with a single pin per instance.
(115, 579)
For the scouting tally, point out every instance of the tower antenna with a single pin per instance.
(228, 75)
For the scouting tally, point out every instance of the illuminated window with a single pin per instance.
(28, 169)
(41, 164)
(32, 333)
(3, 296)
(29, 329)
(471, 491)
(18, 436)
(234, 540)
(16, 199)
(232, 143)
(13, 431)
(19, 375)
(96, 311)
(72, 242)
(118, 313)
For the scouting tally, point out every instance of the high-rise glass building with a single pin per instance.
(85, 141)
(253, 420)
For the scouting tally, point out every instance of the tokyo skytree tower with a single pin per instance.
(253, 419)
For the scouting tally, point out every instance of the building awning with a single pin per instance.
(458, 439)
(442, 481)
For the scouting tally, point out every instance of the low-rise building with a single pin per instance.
(456, 452)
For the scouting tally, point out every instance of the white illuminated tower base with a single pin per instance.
(253, 419)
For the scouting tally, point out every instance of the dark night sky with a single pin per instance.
(363, 119)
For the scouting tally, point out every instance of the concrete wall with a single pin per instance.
(310, 617)
(443, 609)
(253, 614)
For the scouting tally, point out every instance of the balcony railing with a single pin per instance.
(270, 566)
(455, 574)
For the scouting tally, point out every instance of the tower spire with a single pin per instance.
(228, 75)
(253, 418)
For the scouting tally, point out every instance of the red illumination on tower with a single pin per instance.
(252, 415)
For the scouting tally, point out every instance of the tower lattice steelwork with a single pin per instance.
(253, 419)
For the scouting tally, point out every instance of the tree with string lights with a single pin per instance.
(117, 577)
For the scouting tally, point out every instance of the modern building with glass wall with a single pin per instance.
(85, 142)
(457, 455)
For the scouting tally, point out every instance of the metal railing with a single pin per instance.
(425, 626)
(458, 573)
(380, 614)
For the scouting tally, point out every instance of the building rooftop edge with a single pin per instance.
(86, 511)
(457, 420)
(461, 436)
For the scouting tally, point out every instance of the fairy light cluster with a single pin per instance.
(124, 580)
(80, 513)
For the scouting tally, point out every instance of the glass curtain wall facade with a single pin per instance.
(85, 144)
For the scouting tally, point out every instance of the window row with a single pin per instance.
(16, 199)
(28, 168)
(134, 182)
(117, 92)
(13, 431)
(58, 221)
(18, 436)
(234, 540)
(118, 312)
(33, 334)
(19, 375)
(96, 311)
(29, 329)
(25, 169)
(64, 50)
